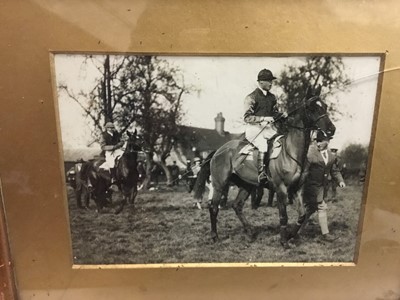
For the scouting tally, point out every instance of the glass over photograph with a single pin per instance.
(215, 159)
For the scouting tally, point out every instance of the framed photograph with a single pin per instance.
(155, 149)
(152, 124)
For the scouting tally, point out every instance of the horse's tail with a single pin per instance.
(202, 177)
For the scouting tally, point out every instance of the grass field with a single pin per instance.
(164, 227)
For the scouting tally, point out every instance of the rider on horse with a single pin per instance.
(260, 113)
(111, 145)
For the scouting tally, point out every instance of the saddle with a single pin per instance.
(248, 154)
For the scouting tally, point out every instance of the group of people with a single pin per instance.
(260, 114)
(112, 147)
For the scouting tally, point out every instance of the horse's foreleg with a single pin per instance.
(213, 207)
(238, 207)
(121, 205)
(133, 196)
(271, 195)
(283, 217)
(304, 214)
(256, 196)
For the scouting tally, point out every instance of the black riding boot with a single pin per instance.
(262, 167)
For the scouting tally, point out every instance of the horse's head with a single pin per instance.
(316, 112)
(134, 142)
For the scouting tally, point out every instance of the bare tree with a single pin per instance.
(326, 71)
(136, 91)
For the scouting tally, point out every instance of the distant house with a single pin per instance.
(71, 156)
(196, 141)
(189, 143)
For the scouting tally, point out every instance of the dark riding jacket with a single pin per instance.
(109, 140)
(258, 105)
(317, 173)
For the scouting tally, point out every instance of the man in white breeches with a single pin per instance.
(260, 112)
(112, 147)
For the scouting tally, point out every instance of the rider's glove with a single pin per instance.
(280, 116)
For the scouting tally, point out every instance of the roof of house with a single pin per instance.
(204, 139)
(84, 153)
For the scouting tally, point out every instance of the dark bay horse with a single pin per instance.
(227, 165)
(127, 176)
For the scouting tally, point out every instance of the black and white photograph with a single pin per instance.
(199, 159)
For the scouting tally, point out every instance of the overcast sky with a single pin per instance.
(223, 83)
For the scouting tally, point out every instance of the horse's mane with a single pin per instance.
(283, 125)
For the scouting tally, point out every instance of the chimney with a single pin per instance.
(219, 123)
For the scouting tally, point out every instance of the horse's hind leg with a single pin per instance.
(242, 196)
(283, 217)
(100, 200)
(214, 209)
(224, 196)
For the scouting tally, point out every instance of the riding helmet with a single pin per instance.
(265, 75)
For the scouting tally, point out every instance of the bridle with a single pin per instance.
(307, 115)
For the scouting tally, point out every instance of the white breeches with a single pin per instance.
(110, 158)
(259, 134)
(323, 217)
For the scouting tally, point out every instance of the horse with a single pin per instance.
(127, 176)
(286, 170)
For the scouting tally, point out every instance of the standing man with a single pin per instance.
(331, 182)
(260, 113)
(175, 174)
(320, 163)
(111, 145)
(196, 169)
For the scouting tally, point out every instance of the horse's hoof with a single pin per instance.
(118, 211)
(285, 245)
(251, 238)
(215, 238)
(292, 235)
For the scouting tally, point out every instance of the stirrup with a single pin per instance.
(262, 177)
